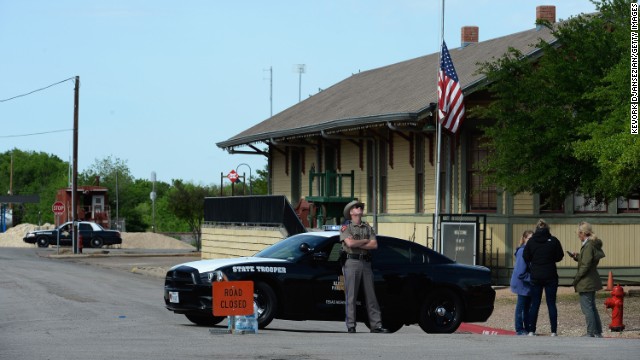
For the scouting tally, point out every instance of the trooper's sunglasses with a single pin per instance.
(359, 207)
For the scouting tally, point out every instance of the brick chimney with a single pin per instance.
(545, 12)
(469, 35)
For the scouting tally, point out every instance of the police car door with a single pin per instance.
(66, 232)
(328, 286)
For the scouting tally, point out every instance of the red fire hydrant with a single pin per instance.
(616, 302)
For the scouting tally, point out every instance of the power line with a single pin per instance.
(34, 91)
(38, 133)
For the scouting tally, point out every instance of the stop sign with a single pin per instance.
(233, 176)
(58, 208)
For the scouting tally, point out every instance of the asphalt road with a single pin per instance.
(96, 308)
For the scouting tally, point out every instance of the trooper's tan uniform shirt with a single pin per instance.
(357, 232)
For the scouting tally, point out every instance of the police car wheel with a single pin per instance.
(43, 242)
(97, 242)
(204, 319)
(265, 299)
(441, 312)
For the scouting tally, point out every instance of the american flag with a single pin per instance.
(450, 99)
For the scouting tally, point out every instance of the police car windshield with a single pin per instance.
(289, 248)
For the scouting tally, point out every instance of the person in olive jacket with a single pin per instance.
(587, 280)
(541, 253)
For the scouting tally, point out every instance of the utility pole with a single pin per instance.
(74, 185)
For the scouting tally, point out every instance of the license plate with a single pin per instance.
(174, 297)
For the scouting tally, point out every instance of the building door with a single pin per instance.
(97, 204)
(330, 166)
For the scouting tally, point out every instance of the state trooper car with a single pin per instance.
(299, 278)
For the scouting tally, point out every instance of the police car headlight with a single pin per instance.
(219, 276)
(214, 276)
(30, 235)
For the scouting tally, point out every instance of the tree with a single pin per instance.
(124, 195)
(607, 143)
(34, 173)
(559, 124)
(260, 183)
(186, 202)
(131, 196)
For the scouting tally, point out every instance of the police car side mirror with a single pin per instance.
(304, 247)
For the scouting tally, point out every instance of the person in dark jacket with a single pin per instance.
(541, 253)
(521, 286)
(587, 280)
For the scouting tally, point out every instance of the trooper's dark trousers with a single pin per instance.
(356, 271)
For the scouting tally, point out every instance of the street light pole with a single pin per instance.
(250, 186)
(300, 69)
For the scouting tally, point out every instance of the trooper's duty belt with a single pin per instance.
(365, 257)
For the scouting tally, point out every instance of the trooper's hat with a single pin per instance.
(347, 209)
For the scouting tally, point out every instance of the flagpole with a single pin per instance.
(436, 214)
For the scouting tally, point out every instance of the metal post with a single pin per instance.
(58, 235)
(153, 201)
(250, 184)
(117, 204)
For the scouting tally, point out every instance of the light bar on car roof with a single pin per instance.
(331, 227)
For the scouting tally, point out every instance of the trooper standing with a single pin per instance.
(358, 238)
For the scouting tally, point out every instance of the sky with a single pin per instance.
(161, 82)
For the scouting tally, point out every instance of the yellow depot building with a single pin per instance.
(370, 137)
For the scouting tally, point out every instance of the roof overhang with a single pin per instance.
(340, 125)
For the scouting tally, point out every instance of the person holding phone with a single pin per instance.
(587, 280)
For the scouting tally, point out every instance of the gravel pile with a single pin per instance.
(13, 238)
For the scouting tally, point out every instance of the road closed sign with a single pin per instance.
(231, 298)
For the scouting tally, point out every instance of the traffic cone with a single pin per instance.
(610, 282)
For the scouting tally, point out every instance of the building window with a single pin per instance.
(549, 204)
(296, 177)
(330, 169)
(370, 173)
(482, 197)
(419, 149)
(384, 166)
(631, 204)
(583, 204)
(443, 192)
